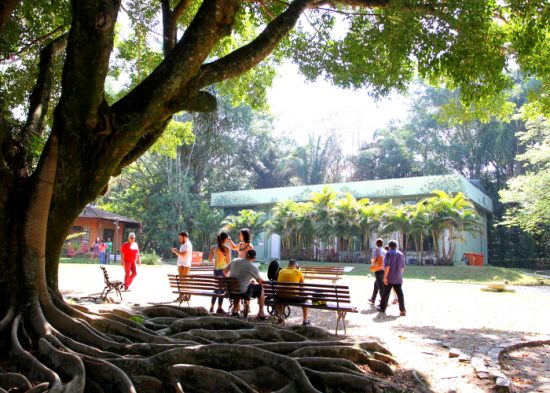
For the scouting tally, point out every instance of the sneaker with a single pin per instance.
(211, 310)
(381, 316)
(306, 323)
(403, 313)
(219, 311)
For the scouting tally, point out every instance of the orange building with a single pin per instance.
(94, 222)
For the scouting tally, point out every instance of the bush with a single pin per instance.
(150, 259)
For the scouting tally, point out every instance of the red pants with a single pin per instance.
(129, 273)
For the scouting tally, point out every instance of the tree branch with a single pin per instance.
(40, 96)
(148, 102)
(39, 99)
(6, 8)
(89, 47)
(248, 56)
(37, 40)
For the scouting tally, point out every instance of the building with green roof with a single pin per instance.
(399, 191)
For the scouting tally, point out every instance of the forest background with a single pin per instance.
(235, 148)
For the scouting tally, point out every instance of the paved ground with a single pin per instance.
(440, 317)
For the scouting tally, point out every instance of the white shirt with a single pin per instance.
(186, 261)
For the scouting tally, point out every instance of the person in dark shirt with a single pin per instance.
(394, 265)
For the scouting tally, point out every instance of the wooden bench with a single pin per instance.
(202, 269)
(319, 296)
(332, 273)
(204, 285)
(110, 285)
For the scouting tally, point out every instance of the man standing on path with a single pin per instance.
(130, 256)
(185, 254)
(394, 265)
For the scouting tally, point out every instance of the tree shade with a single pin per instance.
(76, 134)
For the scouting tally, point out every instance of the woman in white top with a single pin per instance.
(245, 243)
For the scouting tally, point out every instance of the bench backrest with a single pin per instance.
(322, 269)
(203, 283)
(105, 275)
(312, 292)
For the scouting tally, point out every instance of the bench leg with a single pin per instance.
(341, 317)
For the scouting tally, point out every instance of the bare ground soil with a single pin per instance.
(440, 316)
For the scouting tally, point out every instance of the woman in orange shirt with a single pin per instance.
(220, 256)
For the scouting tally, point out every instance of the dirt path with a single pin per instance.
(440, 316)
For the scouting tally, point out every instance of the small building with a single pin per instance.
(399, 191)
(94, 222)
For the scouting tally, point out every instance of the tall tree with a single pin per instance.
(57, 161)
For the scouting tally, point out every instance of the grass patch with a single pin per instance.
(464, 274)
(80, 260)
(137, 318)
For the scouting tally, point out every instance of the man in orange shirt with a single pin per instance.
(292, 274)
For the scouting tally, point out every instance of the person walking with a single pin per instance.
(377, 267)
(245, 243)
(130, 257)
(185, 254)
(220, 256)
(394, 265)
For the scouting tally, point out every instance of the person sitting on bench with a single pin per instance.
(291, 274)
(243, 270)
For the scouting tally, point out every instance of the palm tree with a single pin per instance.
(369, 222)
(453, 214)
(206, 224)
(418, 228)
(246, 218)
(322, 215)
(347, 219)
(396, 219)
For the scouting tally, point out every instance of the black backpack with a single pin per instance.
(273, 270)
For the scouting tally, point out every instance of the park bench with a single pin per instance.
(319, 296)
(202, 269)
(110, 285)
(205, 285)
(332, 273)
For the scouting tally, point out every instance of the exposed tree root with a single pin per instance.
(338, 382)
(9, 381)
(203, 353)
(209, 323)
(199, 378)
(355, 355)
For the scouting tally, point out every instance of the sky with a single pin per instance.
(300, 108)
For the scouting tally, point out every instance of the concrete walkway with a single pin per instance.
(441, 318)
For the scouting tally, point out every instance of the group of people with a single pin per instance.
(102, 249)
(388, 264)
(242, 268)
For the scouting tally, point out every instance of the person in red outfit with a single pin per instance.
(130, 257)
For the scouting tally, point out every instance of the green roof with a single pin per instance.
(413, 187)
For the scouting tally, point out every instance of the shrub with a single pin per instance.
(150, 259)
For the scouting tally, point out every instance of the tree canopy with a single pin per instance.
(65, 130)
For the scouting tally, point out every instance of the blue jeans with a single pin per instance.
(102, 258)
(218, 273)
